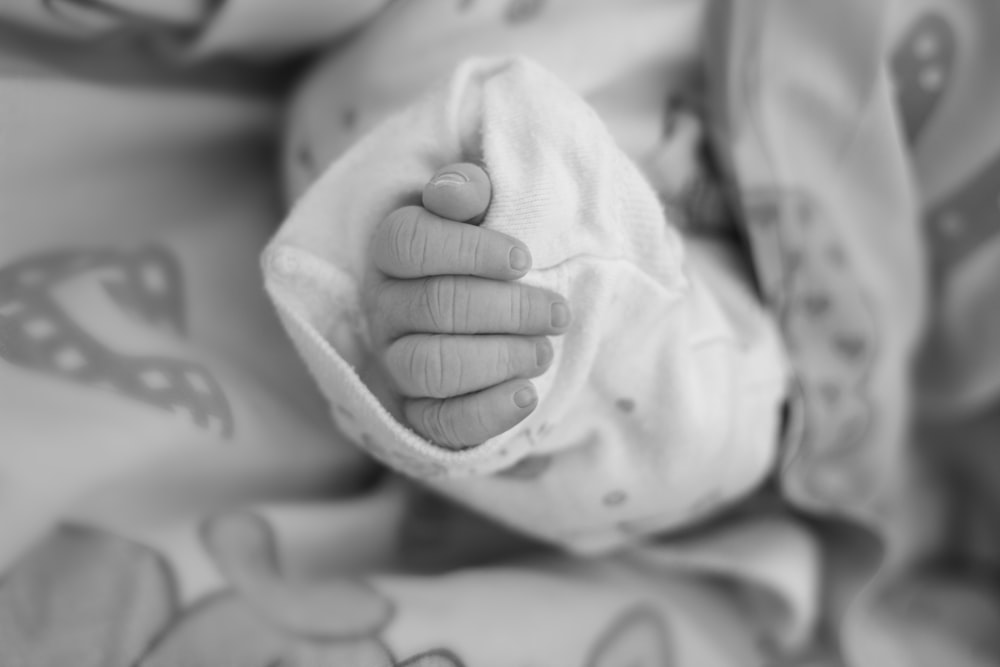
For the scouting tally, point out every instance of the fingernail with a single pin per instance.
(560, 315)
(449, 178)
(525, 397)
(543, 353)
(519, 259)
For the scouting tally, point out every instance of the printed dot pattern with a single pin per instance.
(305, 159)
(38, 335)
(831, 335)
(921, 67)
(615, 498)
(522, 11)
(966, 221)
(626, 405)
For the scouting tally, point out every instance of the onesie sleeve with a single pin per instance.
(663, 399)
(679, 419)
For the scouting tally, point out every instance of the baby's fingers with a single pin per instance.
(459, 192)
(466, 421)
(437, 366)
(413, 243)
(463, 305)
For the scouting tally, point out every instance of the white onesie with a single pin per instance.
(663, 402)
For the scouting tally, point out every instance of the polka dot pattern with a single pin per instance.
(626, 405)
(921, 67)
(964, 222)
(615, 498)
(37, 334)
(522, 11)
(831, 335)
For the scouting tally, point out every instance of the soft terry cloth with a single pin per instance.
(661, 404)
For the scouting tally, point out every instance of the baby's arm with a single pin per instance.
(457, 338)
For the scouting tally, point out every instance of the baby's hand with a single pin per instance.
(457, 336)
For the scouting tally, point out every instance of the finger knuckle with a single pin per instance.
(472, 245)
(432, 367)
(424, 366)
(503, 360)
(399, 364)
(449, 366)
(533, 308)
(438, 423)
(443, 303)
(520, 308)
(484, 416)
(404, 238)
(377, 308)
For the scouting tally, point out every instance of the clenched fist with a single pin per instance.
(454, 331)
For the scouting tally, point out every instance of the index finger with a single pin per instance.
(413, 243)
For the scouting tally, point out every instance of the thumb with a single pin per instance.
(459, 192)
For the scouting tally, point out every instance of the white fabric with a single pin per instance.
(656, 407)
